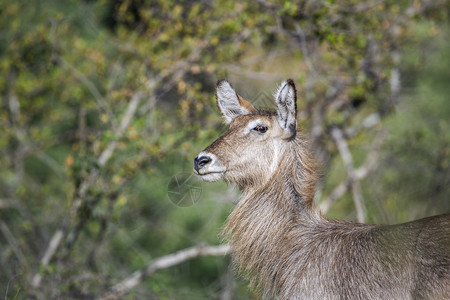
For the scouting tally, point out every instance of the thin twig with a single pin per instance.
(89, 84)
(163, 262)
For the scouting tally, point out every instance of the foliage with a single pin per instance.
(103, 102)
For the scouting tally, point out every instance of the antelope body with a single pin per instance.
(284, 245)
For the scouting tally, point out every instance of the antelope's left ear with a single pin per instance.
(286, 99)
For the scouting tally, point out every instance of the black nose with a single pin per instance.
(200, 162)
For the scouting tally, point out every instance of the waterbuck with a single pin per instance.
(283, 243)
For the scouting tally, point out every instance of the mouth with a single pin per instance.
(210, 176)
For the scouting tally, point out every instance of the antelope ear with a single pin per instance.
(230, 103)
(286, 99)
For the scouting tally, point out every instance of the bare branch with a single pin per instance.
(13, 101)
(360, 173)
(15, 246)
(102, 160)
(347, 159)
(58, 236)
(49, 253)
(301, 35)
(164, 262)
(368, 123)
(229, 284)
(362, 7)
(337, 193)
(7, 203)
(132, 106)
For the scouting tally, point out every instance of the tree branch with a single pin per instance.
(102, 160)
(337, 193)
(15, 246)
(57, 237)
(347, 159)
(301, 36)
(360, 173)
(88, 83)
(163, 262)
(229, 284)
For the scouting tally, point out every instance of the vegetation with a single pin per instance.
(104, 102)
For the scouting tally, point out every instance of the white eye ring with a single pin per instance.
(254, 125)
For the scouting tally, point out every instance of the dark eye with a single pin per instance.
(261, 128)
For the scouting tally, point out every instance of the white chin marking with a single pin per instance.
(211, 177)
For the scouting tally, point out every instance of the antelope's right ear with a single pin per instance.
(230, 103)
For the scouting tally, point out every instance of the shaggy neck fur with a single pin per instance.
(277, 236)
(263, 228)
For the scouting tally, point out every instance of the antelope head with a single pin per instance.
(250, 151)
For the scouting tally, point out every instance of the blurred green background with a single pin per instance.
(104, 102)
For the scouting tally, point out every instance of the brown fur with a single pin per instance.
(289, 250)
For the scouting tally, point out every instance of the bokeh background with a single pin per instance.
(104, 105)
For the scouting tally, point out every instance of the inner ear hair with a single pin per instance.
(230, 103)
(286, 99)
